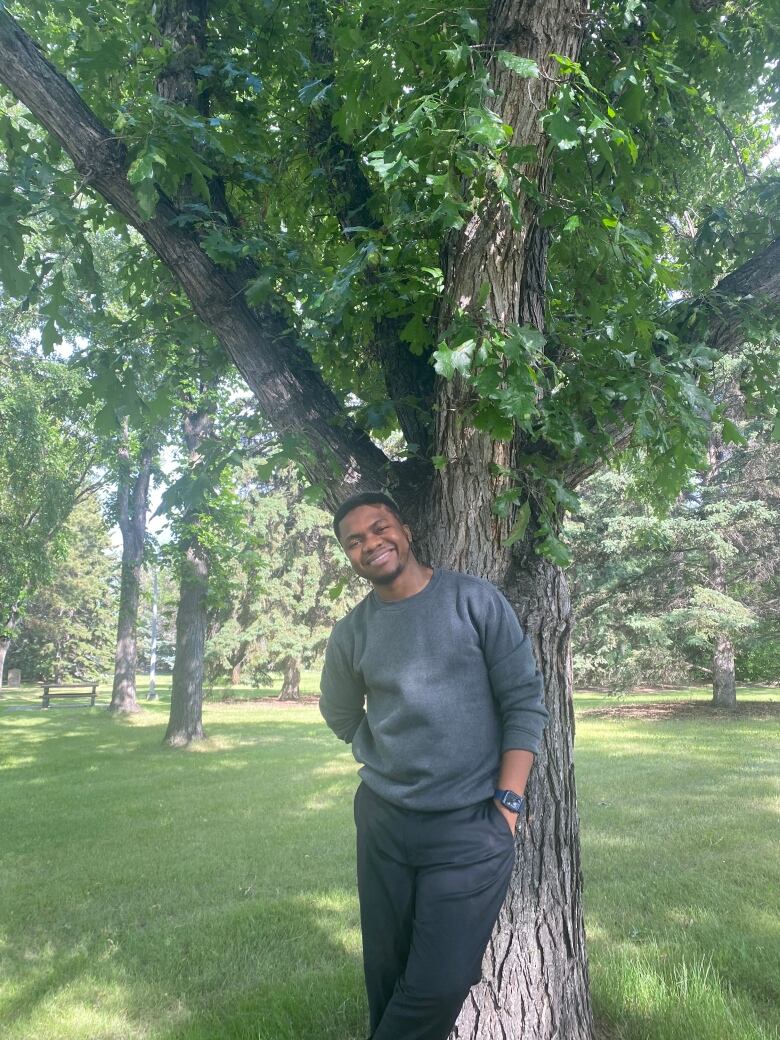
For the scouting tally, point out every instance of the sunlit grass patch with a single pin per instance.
(147, 894)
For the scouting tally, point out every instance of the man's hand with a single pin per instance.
(509, 816)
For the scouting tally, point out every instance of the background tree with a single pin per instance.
(648, 611)
(206, 531)
(294, 584)
(133, 473)
(399, 189)
(66, 631)
(46, 466)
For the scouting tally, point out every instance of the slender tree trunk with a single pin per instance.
(151, 694)
(185, 723)
(291, 684)
(235, 672)
(5, 643)
(724, 688)
(132, 509)
(123, 697)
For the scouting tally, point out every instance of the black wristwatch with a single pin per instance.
(514, 802)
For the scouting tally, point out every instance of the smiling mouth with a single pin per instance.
(380, 557)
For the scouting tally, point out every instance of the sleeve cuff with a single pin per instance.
(521, 740)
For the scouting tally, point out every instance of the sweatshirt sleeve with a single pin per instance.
(342, 693)
(514, 677)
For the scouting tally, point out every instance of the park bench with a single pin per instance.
(52, 690)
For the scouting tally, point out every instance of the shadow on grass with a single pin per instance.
(203, 894)
(271, 972)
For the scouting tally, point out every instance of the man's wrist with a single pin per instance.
(510, 800)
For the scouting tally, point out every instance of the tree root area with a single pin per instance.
(265, 702)
(759, 710)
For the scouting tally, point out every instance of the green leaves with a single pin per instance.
(449, 360)
(527, 68)
(141, 174)
(519, 527)
(731, 433)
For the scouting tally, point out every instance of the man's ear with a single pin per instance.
(408, 530)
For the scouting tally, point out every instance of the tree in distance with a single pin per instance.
(47, 457)
(66, 631)
(292, 585)
(664, 597)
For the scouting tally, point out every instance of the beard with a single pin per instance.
(388, 578)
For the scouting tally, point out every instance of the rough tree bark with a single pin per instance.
(291, 683)
(185, 723)
(132, 510)
(724, 686)
(536, 973)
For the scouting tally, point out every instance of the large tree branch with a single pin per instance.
(756, 284)
(751, 291)
(291, 392)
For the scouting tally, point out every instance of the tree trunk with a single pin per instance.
(235, 672)
(185, 722)
(123, 698)
(724, 688)
(291, 686)
(5, 643)
(132, 509)
(535, 970)
(151, 694)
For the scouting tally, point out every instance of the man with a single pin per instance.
(432, 681)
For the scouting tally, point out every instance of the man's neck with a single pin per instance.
(412, 579)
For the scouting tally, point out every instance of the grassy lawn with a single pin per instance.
(209, 895)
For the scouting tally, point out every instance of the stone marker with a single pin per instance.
(14, 677)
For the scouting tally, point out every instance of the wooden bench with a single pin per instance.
(52, 690)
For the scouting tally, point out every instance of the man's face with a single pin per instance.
(377, 544)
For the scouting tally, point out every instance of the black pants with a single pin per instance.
(431, 885)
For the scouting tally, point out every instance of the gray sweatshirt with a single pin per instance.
(430, 690)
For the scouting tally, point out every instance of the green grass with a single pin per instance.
(209, 895)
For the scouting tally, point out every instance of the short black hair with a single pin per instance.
(365, 498)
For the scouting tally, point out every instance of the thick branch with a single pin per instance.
(753, 290)
(291, 392)
(756, 284)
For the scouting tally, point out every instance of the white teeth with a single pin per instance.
(380, 556)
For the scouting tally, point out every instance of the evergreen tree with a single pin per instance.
(661, 598)
(67, 631)
(47, 458)
(292, 584)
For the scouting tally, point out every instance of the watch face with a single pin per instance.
(513, 801)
